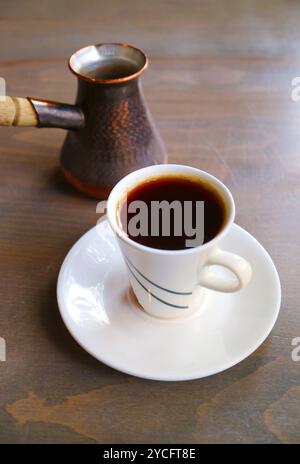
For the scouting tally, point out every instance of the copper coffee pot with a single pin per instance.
(110, 130)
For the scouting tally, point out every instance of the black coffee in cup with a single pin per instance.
(187, 193)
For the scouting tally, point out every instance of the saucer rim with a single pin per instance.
(204, 374)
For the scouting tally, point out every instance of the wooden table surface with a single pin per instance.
(219, 87)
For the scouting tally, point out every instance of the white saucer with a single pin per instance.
(101, 313)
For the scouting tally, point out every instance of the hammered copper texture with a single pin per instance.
(119, 136)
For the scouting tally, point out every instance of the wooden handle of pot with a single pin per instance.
(17, 111)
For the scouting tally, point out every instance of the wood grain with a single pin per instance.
(219, 87)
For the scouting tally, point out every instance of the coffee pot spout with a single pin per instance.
(18, 111)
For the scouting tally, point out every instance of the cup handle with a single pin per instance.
(236, 264)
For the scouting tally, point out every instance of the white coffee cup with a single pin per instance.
(166, 282)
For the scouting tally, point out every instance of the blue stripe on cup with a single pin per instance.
(153, 295)
(153, 283)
